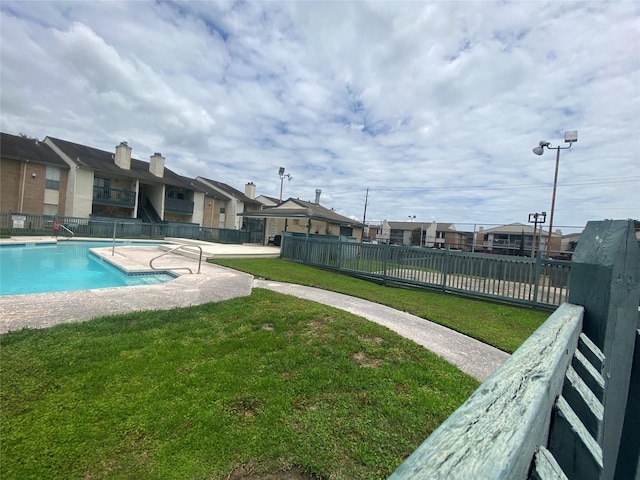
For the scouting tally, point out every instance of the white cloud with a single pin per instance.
(434, 106)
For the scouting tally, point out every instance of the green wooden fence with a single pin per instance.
(539, 282)
(103, 227)
(565, 404)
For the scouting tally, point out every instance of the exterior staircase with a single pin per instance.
(148, 214)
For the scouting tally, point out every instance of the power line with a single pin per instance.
(604, 181)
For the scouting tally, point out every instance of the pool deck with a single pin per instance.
(213, 284)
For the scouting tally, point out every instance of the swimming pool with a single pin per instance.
(64, 266)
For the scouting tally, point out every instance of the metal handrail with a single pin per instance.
(68, 230)
(177, 268)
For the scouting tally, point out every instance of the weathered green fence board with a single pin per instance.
(605, 280)
(584, 401)
(495, 433)
(629, 459)
(589, 374)
(575, 450)
(546, 467)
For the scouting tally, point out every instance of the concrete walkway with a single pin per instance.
(217, 283)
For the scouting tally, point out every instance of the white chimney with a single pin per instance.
(250, 190)
(156, 165)
(318, 192)
(123, 156)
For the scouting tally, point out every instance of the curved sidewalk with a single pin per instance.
(473, 357)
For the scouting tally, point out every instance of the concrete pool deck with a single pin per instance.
(216, 283)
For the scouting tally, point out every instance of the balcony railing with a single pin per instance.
(113, 196)
(173, 205)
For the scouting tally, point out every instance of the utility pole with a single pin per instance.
(366, 199)
(538, 218)
(364, 215)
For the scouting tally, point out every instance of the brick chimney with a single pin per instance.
(156, 165)
(250, 190)
(123, 156)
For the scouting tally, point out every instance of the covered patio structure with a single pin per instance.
(299, 216)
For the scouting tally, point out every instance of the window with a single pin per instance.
(52, 181)
(50, 209)
(222, 209)
(101, 188)
(102, 182)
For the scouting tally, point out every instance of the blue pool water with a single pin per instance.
(62, 267)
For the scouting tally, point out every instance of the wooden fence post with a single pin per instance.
(536, 277)
(445, 267)
(629, 457)
(605, 274)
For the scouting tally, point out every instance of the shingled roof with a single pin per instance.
(29, 149)
(515, 229)
(102, 161)
(228, 189)
(295, 208)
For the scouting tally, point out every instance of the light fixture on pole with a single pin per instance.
(569, 137)
(411, 217)
(282, 176)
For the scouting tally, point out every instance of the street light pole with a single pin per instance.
(282, 176)
(553, 200)
(570, 137)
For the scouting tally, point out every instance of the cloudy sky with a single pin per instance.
(434, 107)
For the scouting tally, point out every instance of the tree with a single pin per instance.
(24, 135)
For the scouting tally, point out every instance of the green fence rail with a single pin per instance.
(538, 282)
(103, 227)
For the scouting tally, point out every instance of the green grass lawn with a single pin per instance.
(266, 383)
(503, 326)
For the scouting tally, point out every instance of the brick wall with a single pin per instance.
(11, 181)
(33, 199)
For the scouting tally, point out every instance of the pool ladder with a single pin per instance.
(177, 268)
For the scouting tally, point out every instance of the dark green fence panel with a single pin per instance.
(522, 280)
(103, 227)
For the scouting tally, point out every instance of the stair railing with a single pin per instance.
(177, 268)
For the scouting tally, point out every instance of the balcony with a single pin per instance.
(181, 207)
(113, 196)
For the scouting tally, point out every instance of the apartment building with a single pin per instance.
(513, 238)
(34, 177)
